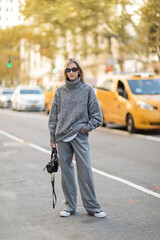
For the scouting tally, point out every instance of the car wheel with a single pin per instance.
(130, 124)
(46, 109)
(104, 124)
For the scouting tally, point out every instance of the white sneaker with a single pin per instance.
(65, 213)
(100, 214)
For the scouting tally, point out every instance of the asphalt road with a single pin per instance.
(126, 171)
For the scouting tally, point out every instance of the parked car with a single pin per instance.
(28, 98)
(5, 97)
(132, 100)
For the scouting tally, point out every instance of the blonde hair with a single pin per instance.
(74, 60)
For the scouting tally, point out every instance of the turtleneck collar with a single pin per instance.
(73, 84)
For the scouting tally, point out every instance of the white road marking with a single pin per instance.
(127, 183)
(147, 137)
(11, 136)
(37, 147)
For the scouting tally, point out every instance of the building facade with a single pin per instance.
(10, 13)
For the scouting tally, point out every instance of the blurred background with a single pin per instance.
(109, 38)
(37, 36)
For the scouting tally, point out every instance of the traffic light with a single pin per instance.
(9, 63)
(54, 70)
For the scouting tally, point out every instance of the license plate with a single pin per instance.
(33, 106)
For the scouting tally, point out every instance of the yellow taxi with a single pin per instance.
(131, 100)
(49, 95)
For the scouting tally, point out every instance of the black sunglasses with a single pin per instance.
(74, 69)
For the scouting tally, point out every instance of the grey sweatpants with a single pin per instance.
(79, 145)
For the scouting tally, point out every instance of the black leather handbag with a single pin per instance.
(52, 167)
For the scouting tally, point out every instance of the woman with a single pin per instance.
(75, 112)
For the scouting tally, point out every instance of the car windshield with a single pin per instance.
(105, 84)
(145, 86)
(7, 92)
(30, 91)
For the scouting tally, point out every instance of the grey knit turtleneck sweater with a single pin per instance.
(75, 106)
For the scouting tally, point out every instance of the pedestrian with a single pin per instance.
(75, 111)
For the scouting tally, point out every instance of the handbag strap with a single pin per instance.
(54, 152)
(53, 190)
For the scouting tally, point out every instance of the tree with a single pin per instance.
(55, 18)
(149, 27)
(121, 24)
(50, 23)
(9, 48)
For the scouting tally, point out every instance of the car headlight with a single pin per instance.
(144, 105)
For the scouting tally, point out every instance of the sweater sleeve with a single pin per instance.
(53, 119)
(94, 112)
